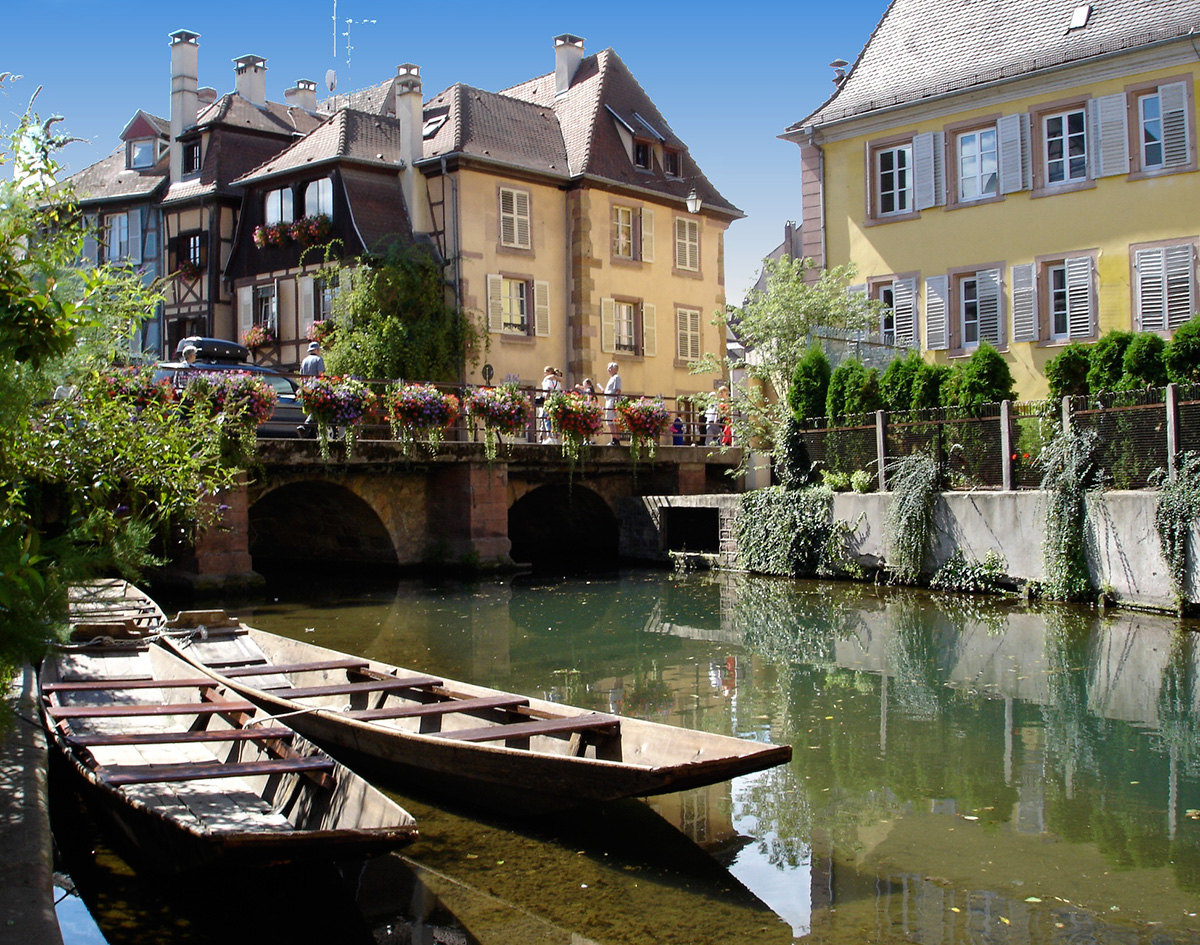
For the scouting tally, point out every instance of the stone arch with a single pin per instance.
(563, 527)
(317, 521)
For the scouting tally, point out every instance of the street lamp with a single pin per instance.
(694, 203)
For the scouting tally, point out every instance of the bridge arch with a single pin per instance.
(563, 527)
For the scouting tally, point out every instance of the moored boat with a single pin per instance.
(500, 749)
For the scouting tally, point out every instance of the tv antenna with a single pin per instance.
(349, 23)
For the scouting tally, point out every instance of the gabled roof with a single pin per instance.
(109, 180)
(926, 48)
(272, 118)
(145, 125)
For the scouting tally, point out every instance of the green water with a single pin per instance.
(964, 770)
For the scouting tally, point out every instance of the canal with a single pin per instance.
(965, 770)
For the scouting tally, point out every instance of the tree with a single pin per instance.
(984, 378)
(810, 384)
(1067, 372)
(896, 385)
(1108, 361)
(928, 384)
(853, 389)
(1182, 356)
(1143, 362)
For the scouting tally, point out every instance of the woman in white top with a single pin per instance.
(550, 384)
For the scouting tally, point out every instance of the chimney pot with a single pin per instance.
(184, 100)
(302, 95)
(568, 53)
(250, 73)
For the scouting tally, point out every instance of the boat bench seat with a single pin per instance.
(103, 685)
(146, 708)
(593, 722)
(261, 733)
(147, 774)
(347, 689)
(269, 669)
(439, 708)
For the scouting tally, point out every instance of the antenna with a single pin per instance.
(330, 79)
(334, 29)
(349, 23)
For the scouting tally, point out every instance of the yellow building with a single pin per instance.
(1021, 173)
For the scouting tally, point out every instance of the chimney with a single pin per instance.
(206, 96)
(303, 95)
(410, 112)
(184, 56)
(568, 51)
(251, 75)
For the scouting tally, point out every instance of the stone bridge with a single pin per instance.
(384, 507)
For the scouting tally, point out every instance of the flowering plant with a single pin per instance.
(309, 230)
(335, 401)
(272, 234)
(646, 420)
(188, 270)
(138, 386)
(258, 334)
(574, 420)
(502, 409)
(321, 330)
(238, 401)
(415, 409)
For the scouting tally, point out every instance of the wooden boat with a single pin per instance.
(191, 772)
(504, 750)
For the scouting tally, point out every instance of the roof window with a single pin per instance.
(1080, 16)
(430, 128)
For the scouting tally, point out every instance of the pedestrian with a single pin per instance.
(189, 355)
(587, 389)
(677, 431)
(714, 417)
(312, 366)
(550, 385)
(612, 391)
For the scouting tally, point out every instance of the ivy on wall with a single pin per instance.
(1175, 513)
(792, 533)
(1069, 474)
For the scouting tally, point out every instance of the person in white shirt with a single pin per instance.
(612, 391)
(550, 384)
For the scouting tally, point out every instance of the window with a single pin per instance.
(517, 304)
(318, 198)
(968, 290)
(1164, 286)
(687, 244)
(687, 334)
(627, 326)
(514, 218)
(265, 310)
(896, 297)
(193, 246)
(625, 318)
(642, 154)
(191, 157)
(1054, 299)
(326, 291)
(671, 163)
(977, 164)
(893, 179)
(116, 237)
(279, 206)
(1064, 142)
(142, 152)
(513, 301)
(622, 232)
(961, 309)
(885, 294)
(1151, 130)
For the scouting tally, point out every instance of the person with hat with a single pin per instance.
(312, 366)
(550, 384)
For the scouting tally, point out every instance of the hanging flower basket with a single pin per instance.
(322, 330)
(238, 402)
(258, 335)
(188, 270)
(308, 231)
(501, 410)
(574, 420)
(272, 234)
(646, 420)
(420, 410)
(335, 402)
(137, 386)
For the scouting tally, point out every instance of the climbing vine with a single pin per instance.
(792, 533)
(1175, 513)
(1069, 474)
(915, 482)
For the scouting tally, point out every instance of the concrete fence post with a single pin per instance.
(1006, 445)
(1172, 407)
(1066, 413)
(881, 447)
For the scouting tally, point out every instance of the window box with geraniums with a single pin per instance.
(238, 402)
(574, 420)
(188, 270)
(646, 420)
(501, 410)
(258, 335)
(321, 331)
(335, 402)
(309, 231)
(272, 234)
(420, 410)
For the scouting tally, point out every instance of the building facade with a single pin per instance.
(1024, 174)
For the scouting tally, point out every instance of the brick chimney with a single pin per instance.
(302, 95)
(184, 64)
(568, 51)
(410, 112)
(250, 73)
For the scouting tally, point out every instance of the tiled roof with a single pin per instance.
(376, 100)
(110, 180)
(377, 206)
(274, 118)
(925, 48)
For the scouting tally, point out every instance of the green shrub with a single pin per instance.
(853, 389)
(792, 463)
(896, 385)
(970, 576)
(1107, 361)
(984, 378)
(834, 480)
(791, 533)
(1182, 356)
(1143, 361)
(927, 386)
(862, 481)
(1067, 372)
(810, 384)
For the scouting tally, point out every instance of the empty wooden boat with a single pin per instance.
(501, 749)
(192, 772)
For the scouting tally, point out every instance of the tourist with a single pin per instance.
(189, 355)
(715, 416)
(550, 385)
(612, 391)
(677, 431)
(311, 366)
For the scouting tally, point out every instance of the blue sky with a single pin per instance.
(727, 78)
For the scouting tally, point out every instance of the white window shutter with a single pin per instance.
(1151, 289)
(697, 343)
(928, 173)
(306, 308)
(1024, 303)
(1180, 289)
(245, 297)
(988, 281)
(541, 309)
(1108, 149)
(904, 311)
(649, 330)
(495, 306)
(608, 326)
(524, 237)
(91, 245)
(647, 235)
(1009, 134)
(508, 223)
(1079, 296)
(1174, 100)
(274, 318)
(936, 291)
(135, 237)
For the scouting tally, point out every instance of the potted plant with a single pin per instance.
(308, 231)
(138, 386)
(646, 419)
(238, 402)
(188, 270)
(258, 334)
(321, 331)
(272, 234)
(501, 410)
(416, 410)
(335, 402)
(574, 420)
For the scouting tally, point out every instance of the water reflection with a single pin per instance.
(965, 770)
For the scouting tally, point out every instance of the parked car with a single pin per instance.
(216, 354)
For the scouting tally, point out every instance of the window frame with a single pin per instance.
(643, 147)
(1136, 283)
(627, 326)
(132, 149)
(507, 325)
(871, 156)
(515, 196)
(191, 157)
(978, 177)
(955, 345)
(1040, 184)
(616, 227)
(672, 162)
(109, 223)
(286, 208)
(907, 192)
(193, 248)
(1066, 135)
(1133, 94)
(325, 293)
(266, 292)
(687, 242)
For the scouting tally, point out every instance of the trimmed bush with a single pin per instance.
(1107, 361)
(928, 384)
(1182, 356)
(1143, 361)
(896, 385)
(985, 378)
(853, 389)
(810, 384)
(1067, 372)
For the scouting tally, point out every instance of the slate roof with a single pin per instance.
(108, 180)
(925, 48)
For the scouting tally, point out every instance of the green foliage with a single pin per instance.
(792, 533)
(853, 389)
(1182, 356)
(862, 481)
(1069, 474)
(984, 378)
(835, 480)
(1067, 371)
(810, 384)
(896, 386)
(393, 321)
(928, 383)
(792, 463)
(914, 481)
(1176, 511)
(1143, 362)
(969, 575)
(1108, 361)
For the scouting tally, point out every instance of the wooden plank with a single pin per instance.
(84, 739)
(375, 685)
(147, 708)
(593, 721)
(439, 708)
(268, 669)
(145, 774)
(95, 685)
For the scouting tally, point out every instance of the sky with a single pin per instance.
(728, 79)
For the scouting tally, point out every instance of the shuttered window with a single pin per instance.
(1165, 281)
(893, 180)
(514, 218)
(687, 244)
(929, 175)
(687, 334)
(1110, 150)
(1064, 146)
(1012, 137)
(935, 313)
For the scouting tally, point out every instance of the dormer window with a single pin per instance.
(191, 157)
(318, 198)
(142, 153)
(642, 155)
(671, 163)
(279, 206)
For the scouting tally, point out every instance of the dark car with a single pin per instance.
(216, 354)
